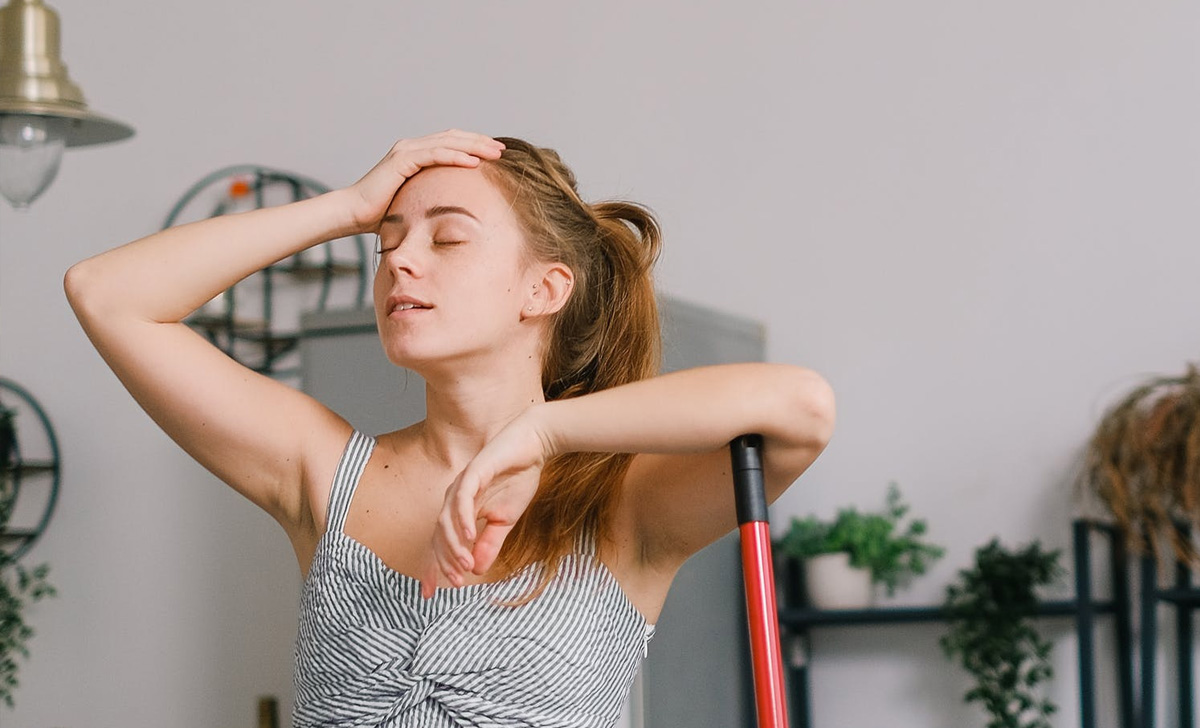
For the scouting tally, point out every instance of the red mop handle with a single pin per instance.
(769, 696)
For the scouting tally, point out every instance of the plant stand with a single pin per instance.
(1185, 598)
(1083, 609)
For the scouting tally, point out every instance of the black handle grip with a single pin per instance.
(748, 488)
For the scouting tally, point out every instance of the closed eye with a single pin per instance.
(380, 251)
(378, 254)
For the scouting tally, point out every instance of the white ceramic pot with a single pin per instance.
(832, 583)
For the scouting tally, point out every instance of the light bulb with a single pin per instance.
(31, 148)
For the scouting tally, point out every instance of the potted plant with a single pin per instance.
(989, 610)
(845, 558)
(1143, 464)
(19, 586)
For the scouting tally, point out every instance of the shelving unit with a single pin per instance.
(40, 475)
(258, 339)
(1084, 609)
(1185, 598)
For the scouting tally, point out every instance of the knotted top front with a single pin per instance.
(371, 652)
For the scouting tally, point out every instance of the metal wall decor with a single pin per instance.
(257, 320)
(30, 469)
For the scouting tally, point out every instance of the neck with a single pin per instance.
(466, 408)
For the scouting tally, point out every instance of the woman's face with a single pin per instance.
(453, 274)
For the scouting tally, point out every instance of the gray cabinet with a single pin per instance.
(697, 673)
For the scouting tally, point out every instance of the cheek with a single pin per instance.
(378, 286)
(491, 284)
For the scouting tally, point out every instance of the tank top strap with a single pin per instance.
(345, 479)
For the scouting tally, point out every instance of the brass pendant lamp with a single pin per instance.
(41, 110)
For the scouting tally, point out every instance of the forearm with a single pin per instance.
(694, 410)
(165, 276)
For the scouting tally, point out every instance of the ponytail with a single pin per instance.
(606, 335)
(609, 335)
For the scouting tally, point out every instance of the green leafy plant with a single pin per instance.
(990, 609)
(19, 586)
(875, 541)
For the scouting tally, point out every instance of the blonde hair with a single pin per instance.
(607, 334)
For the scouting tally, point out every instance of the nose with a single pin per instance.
(400, 260)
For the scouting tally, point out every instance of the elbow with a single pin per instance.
(811, 409)
(79, 284)
(75, 285)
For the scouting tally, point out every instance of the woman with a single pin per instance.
(503, 561)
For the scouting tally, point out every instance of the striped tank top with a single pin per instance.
(370, 651)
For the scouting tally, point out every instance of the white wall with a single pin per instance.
(977, 220)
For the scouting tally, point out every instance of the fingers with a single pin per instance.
(487, 546)
(453, 147)
(441, 568)
(460, 508)
(450, 558)
(477, 144)
(464, 504)
(438, 572)
(455, 549)
(429, 578)
(495, 488)
(378, 187)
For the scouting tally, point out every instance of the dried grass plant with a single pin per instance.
(1143, 464)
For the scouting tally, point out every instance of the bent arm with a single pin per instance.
(679, 488)
(251, 431)
(165, 276)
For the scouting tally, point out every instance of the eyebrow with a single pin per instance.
(435, 211)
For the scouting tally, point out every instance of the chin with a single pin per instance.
(407, 356)
(419, 357)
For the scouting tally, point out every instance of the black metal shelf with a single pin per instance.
(309, 272)
(34, 467)
(1184, 598)
(1180, 597)
(797, 622)
(908, 615)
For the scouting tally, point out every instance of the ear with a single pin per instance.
(549, 292)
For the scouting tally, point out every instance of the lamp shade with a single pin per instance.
(34, 81)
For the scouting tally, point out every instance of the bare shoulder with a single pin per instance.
(323, 453)
(388, 450)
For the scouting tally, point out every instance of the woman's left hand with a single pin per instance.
(484, 502)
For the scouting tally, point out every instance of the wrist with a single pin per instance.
(345, 218)
(541, 420)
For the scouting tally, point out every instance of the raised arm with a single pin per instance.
(250, 431)
(678, 491)
(266, 440)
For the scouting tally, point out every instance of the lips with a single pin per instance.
(406, 303)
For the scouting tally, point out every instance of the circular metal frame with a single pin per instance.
(223, 329)
(19, 468)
